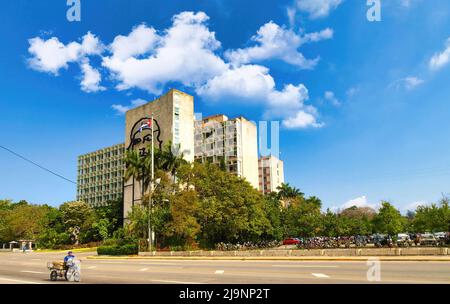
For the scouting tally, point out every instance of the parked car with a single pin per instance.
(442, 238)
(428, 239)
(361, 240)
(382, 240)
(403, 240)
(291, 241)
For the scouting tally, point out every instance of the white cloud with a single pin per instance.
(317, 8)
(141, 40)
(254, 83)
(319, 36)
(407, 83)
(275, 42)
(249, 81)
(358, 202)
(121, 109)
(301, 120)
(352, 91)
(413, 206)
(185, 54)
(329, 96)
(440, 59)
(52, 55)
(91, 78)
(291, 12)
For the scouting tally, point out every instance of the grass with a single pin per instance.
(76, 250)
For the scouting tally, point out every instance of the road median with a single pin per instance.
(347, 254)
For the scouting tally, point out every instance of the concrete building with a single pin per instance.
(217, 139)
(173, 115)
(271, 174)
(232, 142)
(100, 175)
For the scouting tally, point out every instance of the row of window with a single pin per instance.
(104, 167)
(100, 178)
(85, 160)
(112, 187)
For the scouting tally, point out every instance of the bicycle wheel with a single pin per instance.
(76, 276)
(69, 275)
(53, 275)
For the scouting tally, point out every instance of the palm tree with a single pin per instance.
(139, 168)
(286, 191)
(288, 194)
(172, 161)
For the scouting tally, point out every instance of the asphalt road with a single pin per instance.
(30, 268)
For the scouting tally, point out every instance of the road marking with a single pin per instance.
(320, 275)
(35, 259)
(92, 267)
(175, 282)
(219, 272)
(19, 281)
(29, 271)
(143, 269)
(306, 266)
(164, 264)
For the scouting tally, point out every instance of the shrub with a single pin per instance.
(127, 249)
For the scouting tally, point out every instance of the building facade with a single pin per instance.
(229, 142)
(216, 139)
(100, 175)
(173, 122)
(271, 174)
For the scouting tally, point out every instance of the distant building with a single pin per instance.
(100, 175)
(271, 174)
(228, 142)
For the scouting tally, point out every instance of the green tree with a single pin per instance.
(231, 210)
(77, 219)
(182, 227)
(137, 224)
(21, 220)
(111, 217)
(273, 211)
(389, 220)
(289, 195)
(330, 224)
(434, 218)
(139, 168)
(355, 221)
(304, 219)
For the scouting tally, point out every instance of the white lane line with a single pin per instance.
(320, 275)
(35, 259)
(18, 281)
(306, 266)
(175, 282)
(164, 264)
(143, 269)
(219, 272)
(29, 271)
(92, 267)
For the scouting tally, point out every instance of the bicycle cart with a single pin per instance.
(70, 270)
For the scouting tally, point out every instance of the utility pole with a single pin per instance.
(150, 232)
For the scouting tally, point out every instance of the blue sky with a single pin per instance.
(363, 106)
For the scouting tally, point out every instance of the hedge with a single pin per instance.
(128, 249)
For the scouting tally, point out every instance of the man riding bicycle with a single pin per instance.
(68, 257)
